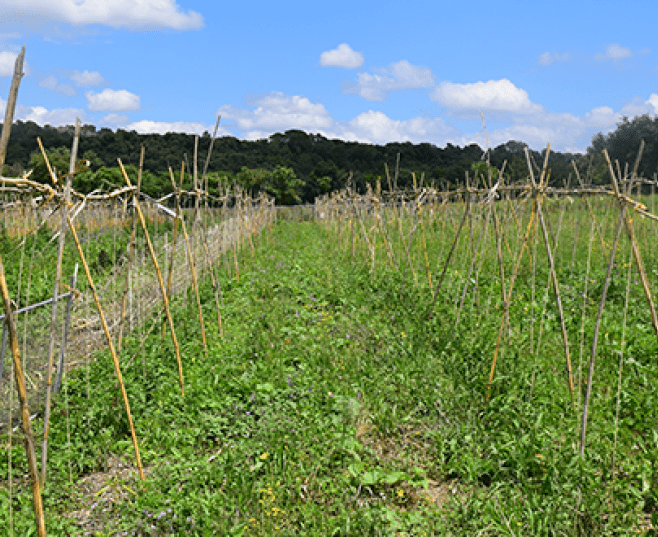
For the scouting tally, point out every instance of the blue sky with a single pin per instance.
(370, 71)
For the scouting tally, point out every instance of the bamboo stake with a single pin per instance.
(556, 287)
(597, 328)
(217, 291)
(382, 222)
(65, 331)
(11, 106)
(508, 299)
(579, 379)
(499, 236)
(397, 171)
(236, 241)
(25, 412)
(177, 191)
(53, 316)
(424, 241)
(131, 255)
(213, 277)
(476, 275)
(195, 284)
(160, 281)
(473, 264)
(619, 379)
(636, 248)
(212, 142)
(115, 357)
(578, 221)
(196, 181)
(467, 210)
(51, 173)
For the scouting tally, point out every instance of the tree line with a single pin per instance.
(296, 166)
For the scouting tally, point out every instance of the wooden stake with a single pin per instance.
(115, 357)
(597, 326)
(213, 278)
(424, 241)
(467, 210)
(556, 287)
(195, 284)
(508, 300)
(636, 249)
(131, 255)
(160, 281)
(25, 412)
(11, 106)
(53, 317)
(177, 190)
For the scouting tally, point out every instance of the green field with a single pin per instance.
(334, 405)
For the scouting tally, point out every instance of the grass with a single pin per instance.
(333, 407)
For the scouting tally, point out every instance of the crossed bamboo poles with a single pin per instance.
(59, 192)
(346, 212)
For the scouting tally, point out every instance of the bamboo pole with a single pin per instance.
(196, 181)
(11, 106)
(383, 223)
(131, 255)
(499, 234)
(424, 241)
(160, 281)
(115, 357)
(634, 244)
(65, 330)
(556, 287)
(508, 299)
(212, 143)
(25, 412)
(195, 284)
(401, 232)
(53, 317)
(473, 263)
(578, 223)
(467, 211)
(177, 191)
(597, 328)
(213, 277)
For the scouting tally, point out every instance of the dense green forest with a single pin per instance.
(295, 166)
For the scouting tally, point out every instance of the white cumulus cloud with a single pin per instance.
(614, 52)
(547, 58)
(43, 116)
(51, 83)
(276, 111)
(115, 120)
(399, 76)
(342, 56)
(55, 117)
(112, 101)
(495, 95)
(377, 128)
(147, 126)
(87, 78)
(653, 101)
(565, 132)
(114, 13)
(639, 106)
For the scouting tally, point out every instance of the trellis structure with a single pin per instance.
(388, 226)
(148, 262)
